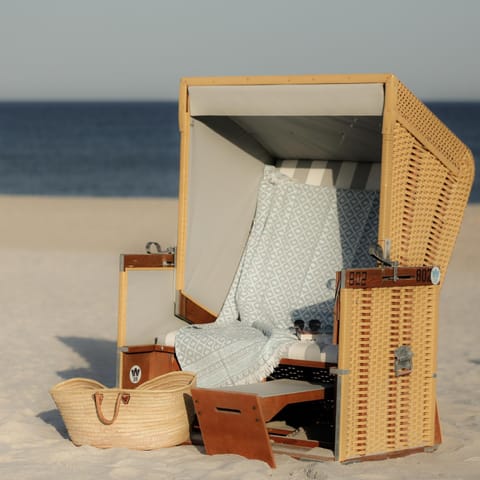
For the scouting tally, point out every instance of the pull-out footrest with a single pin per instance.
(233, 419)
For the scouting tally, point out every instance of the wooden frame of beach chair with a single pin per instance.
(145, 298)
(385, 401)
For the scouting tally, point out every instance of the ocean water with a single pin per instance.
(93, 149)
(125, 149)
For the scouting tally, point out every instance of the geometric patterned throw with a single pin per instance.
(301, 236)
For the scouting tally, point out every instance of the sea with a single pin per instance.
(126, 149)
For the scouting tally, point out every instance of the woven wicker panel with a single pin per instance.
(431, 176)
(429, 129)
(378, 411)
(428, 201)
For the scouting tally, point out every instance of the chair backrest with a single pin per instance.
(339, 174)
(302, 235)
(356, 201)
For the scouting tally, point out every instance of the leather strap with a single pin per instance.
(121, 398)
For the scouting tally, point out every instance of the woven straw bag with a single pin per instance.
(156, 414)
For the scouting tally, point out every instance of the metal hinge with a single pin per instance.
(337, 371)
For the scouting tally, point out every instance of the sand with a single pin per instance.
(58, 308)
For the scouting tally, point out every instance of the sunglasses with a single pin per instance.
(313, 325)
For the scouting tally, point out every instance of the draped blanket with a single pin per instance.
(301, 235)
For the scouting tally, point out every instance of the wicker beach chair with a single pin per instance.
(365, 140)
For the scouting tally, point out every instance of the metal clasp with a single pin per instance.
(376, 251)
(403, 360)
(154, 248)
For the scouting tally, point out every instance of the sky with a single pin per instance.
(140, 49)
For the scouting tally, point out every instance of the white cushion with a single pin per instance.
(313, 352)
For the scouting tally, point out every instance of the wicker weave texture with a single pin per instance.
(379, 411)
(157, 414)
(431, 174)
(430, 130)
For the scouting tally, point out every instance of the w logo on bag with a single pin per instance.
(135, 374)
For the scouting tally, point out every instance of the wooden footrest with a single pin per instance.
(233, 419)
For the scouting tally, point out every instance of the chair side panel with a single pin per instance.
(379, 412)
(430, 177)
(433, 133)
(427, 204)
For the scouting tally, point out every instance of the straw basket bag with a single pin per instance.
(156, 414)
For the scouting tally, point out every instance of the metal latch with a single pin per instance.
(403, 360)
(376, 251)
(156, 249)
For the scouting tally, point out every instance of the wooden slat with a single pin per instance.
(385, 277)
(154, 260)
(192, 312)
(300, 442)
(305, 363)
(148, 349)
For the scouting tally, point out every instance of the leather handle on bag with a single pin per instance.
(121, 398)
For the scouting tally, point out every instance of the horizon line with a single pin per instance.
(175, 100)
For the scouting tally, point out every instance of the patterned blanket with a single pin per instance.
(301, 236)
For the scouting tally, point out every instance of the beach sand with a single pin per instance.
(58, 314)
